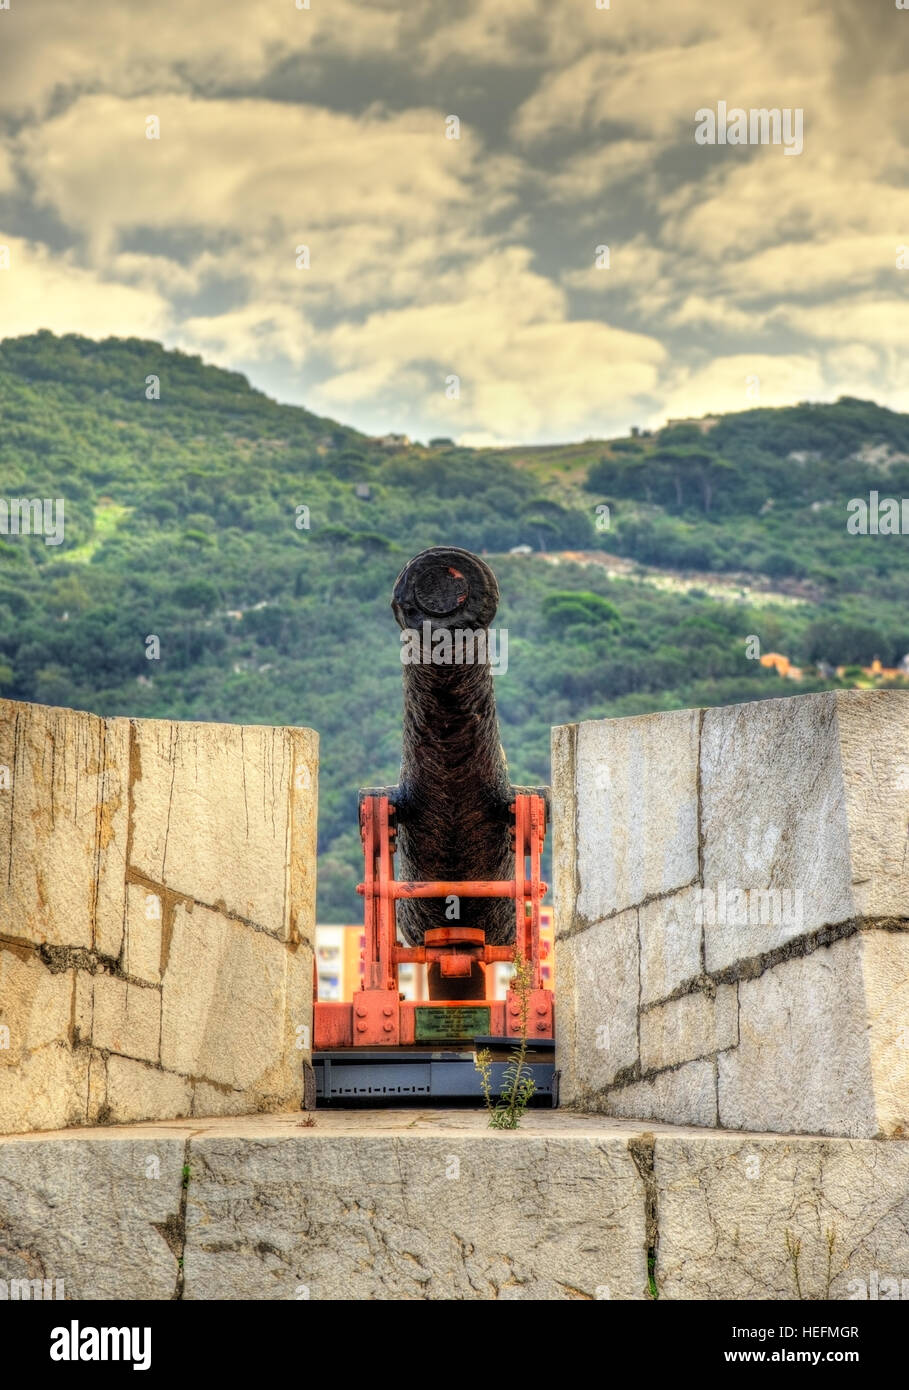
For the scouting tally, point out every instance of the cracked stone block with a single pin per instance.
(754, 1217)
(93, 1212)
(139, 1092)
(597, 1033)
(824, 1047)
(216, 818)
(63, 826)
(126, 1018)
(692, 1026)
(36, 1005)
(232, 1001)
(805, 803)
(670, 944)
(798, 895)
(46, 1090)
(415, 1216)
(684, 1095)
(142, 943)
(633, 796)
(41, 1081)
(248, 795)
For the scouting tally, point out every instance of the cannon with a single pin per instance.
(452, 802)
(468, 847)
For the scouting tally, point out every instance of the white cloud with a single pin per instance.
(41, 290)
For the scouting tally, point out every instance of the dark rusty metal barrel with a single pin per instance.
(452, 802)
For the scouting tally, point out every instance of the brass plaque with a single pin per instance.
(445, 1021)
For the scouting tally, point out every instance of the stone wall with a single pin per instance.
(732, 905)
(156, 917)
(417, 1205)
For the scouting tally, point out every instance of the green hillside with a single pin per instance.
(183, 522)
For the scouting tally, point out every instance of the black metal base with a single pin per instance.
(398, 1076)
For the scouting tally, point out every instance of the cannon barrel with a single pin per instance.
(454, 793)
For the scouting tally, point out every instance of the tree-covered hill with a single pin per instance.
(259, 544)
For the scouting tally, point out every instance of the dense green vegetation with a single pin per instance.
(183, 522)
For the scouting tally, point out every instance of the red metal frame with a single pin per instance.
(378, 1016)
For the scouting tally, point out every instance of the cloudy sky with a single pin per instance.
(736, 273)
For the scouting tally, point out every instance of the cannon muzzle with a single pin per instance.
(453, 799)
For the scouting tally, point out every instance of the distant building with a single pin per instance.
(782, 665)
(521, 550)
(363, 490)
(884, 673)
(339, 964)
(441, 442)
(393, 441)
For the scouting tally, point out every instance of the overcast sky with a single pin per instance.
(737, 274)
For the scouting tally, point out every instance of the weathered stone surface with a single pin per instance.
(112, 832)
(373, 1214)
(755, 1217)
(885, 967)
(799, 900)
(143, 945)
(234, 980)
(92, 1211)
(597, 1033)
(670, 944)
(62, 826)
(236, 787)
(139, 1092)
(803, 1059)
(773, 816)
(636, 810)
(874, 750)
(36, 1007)
(414, 1205)
(126, 1018)
(684, 1095)
(47, 1089)
(692, 1026)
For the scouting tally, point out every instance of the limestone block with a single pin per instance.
(803, 1061)
(248, 792)
(563, 831)
(139, 1092)
(126, 1018)
(226, 1007)
(752, 1217)
(885, 969)
(112, 833)
(373, 1215)
(684, 1095)
(874, 748)
(36, 1005)
(692, 1026)
(806, 796)
(146, 912)
(670, 944)
(597, 1033)
(63, 823)
(46, 1090)
(799, 901)
(636, 810)
(94, 1212)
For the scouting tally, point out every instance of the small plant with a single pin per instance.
(517, 1084)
